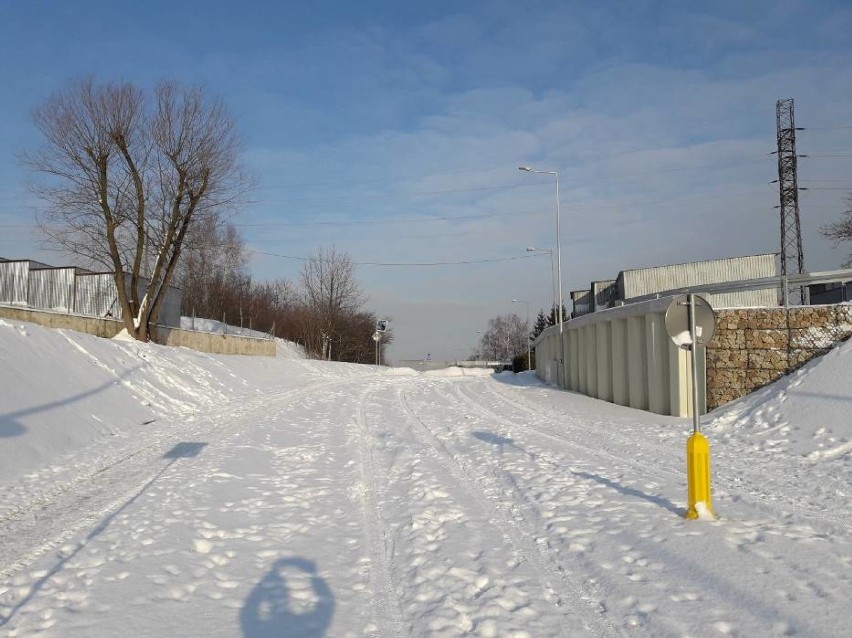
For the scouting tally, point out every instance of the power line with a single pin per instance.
(386, 220)
(400, 195)
(265, 239)
(491, 169)
(674, 169)
(407, 264)
(618, 204)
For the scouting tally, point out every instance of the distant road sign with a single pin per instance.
(677, 321)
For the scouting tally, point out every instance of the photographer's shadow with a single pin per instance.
(278, 609)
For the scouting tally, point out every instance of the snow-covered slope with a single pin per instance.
(807, 413)
(150, 491)
(62, 390)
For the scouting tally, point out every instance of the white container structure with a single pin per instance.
(582, 301)
(635, 284)
(604, 294)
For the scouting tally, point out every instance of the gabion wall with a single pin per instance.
(755, 346)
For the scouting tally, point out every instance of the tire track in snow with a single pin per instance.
(748, 491)
(51, 518)
(662, 473)
(174, 432)
(388, 615)
(570, 598)
(795, 567)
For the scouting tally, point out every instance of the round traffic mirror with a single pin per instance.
(677, 321)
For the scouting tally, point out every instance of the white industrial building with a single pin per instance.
(641, 284)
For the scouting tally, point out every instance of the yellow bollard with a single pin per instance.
(698, 475)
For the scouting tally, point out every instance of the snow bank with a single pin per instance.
(456, 371)
(211, 325)
(289, 350)
(63, 390)
(805, 413)
(401, 372)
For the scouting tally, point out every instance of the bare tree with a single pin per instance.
(506, 337)
(126, 175)
(841, 230)
(212, 270)
(331, 295)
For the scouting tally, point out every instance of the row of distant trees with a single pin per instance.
(323, 311)
(508, 337)
(141, 183)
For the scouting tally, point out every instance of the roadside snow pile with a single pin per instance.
(401, 372)
(457, 371)
(63, 390)
(55, 397)
(289, 350)
(211, 325)
(804, 414)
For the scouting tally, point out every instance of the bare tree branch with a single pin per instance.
(841, 230)
(125, 175)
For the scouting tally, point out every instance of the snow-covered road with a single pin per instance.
(409, 505)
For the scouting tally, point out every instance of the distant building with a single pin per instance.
(604, 294)
(637, 284)
(582, 301)
(642, 282)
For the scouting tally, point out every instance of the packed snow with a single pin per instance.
(153, 491)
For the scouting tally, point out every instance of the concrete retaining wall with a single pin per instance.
(622, 355)
(213, 343)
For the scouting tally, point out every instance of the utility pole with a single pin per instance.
(792, 255)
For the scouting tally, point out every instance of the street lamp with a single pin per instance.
(552, 273)
(558, 257)
(529, 347)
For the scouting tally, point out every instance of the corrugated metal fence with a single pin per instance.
(14, 282)
(95, 296)
(51, 289)
(27, 283)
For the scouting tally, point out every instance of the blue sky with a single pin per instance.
(393, 131)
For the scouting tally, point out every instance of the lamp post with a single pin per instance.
(558, 263)
(558, 238)
(529, 347)
(552, 273)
